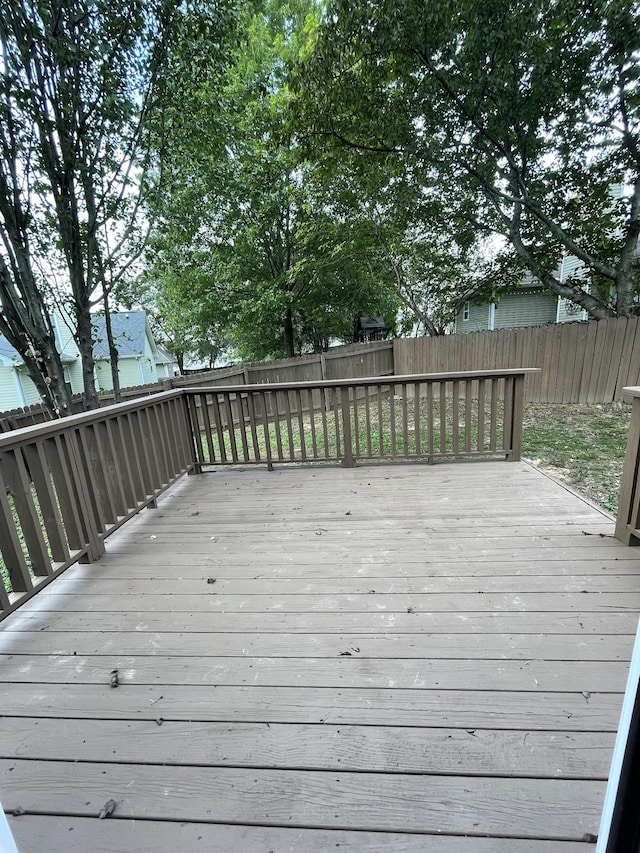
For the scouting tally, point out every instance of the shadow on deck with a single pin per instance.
(381, 658)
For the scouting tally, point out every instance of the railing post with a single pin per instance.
(628, 521)
(348, 460)
(517, 410)
(192, 425)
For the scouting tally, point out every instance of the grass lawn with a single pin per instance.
(583, 445)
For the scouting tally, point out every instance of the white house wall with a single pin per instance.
(9, 397)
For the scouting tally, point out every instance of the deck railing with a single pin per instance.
(628, 523)
(66, 485)
(427, 416)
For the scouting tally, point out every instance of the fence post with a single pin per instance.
(517, 412)
(348, 460)
(628, 521)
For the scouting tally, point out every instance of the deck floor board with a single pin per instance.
(393, 658)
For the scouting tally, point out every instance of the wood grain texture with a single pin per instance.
(78, 835)
(410, 658)
(366, 801)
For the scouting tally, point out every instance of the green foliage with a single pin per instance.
(246, 229)
(517, 118)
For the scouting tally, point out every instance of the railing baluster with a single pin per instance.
(455, 415)
(251, 409)
(275, 399)
(493, 429)
(367, 419)
(392, 420)
(380, 422)
(312, 423)
(231, 427)
(416, 418)
(242, 426)
(443, 417)
(303, 447)
(325, 430)
(10, 546)
(217, 417)
(336, 420)
(287, 412)
(468, 414)
(430, 421)
(53, 524)
(481, 405)
(266, 397)
(19, 483)
(208, 434)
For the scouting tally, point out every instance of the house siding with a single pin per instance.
(515, 310)
(31, 395)
(9, 398)
(478, 319)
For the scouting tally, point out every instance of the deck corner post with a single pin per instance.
(517, 413)
(193, 428)
(348, 460)
(628, 519)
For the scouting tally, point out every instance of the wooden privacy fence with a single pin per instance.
(579, 362)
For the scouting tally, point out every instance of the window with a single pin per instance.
(465, 311)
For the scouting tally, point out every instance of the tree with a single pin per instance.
(79, 81)
(520, 116)
(244, 225)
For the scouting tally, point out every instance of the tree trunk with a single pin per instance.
(289, 343)
(113, 351)
(85, 345)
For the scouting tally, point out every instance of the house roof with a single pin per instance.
(163, 356)
(9, 355)
(129, 333)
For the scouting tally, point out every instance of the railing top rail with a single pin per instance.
(365, 380)
(25, 435)
(28, 434)
(632, 391)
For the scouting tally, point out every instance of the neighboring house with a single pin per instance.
(528, 304)
(140, 361)
(137, 350)
(16, 388)
(166, 365)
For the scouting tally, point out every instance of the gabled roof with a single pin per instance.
(129, 328)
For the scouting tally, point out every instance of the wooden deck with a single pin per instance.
(386, 658)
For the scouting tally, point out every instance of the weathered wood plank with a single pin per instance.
(373, 749)
(372, 802)
(342, 671)
(347, 565)
(470, 646)
(371, 602)
(71, 584)
(375, 706)
(35, 833)
(421, 623)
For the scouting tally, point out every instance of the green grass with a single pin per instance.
(580, 444)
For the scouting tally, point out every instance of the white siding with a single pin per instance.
(31, 395)
(9, 398)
